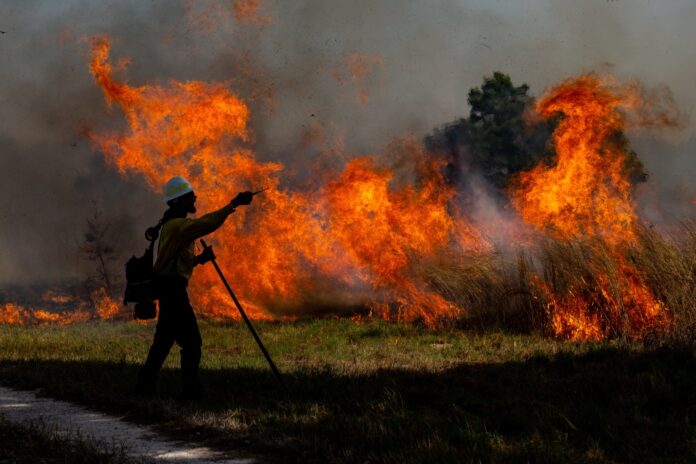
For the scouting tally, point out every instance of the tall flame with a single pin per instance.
(361, 234)
(587, 191)
(364, 234)
(354, 229)
(587, 194)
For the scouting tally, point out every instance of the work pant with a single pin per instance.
(176, 322)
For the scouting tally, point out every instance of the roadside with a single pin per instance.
(78, 434)
(37, 443)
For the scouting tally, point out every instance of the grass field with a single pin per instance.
(381, 392)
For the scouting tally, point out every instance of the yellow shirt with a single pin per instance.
(175, 255)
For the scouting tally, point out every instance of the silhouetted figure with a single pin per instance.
(173, 268)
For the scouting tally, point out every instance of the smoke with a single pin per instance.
(667, 199)
(284, 63)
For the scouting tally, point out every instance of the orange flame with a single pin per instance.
(587, 193)
(105, 306)
(385, 232)
(364, 228)
(356, 230)
(11, 314)
(101, 307)
(51, 296)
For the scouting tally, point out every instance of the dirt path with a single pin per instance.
(139, 442)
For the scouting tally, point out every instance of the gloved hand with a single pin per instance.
(205, 256)
(243, 198)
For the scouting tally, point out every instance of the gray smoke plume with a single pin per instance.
(304, 99)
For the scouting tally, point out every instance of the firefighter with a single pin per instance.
(173, 267)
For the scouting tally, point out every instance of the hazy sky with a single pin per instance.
(423, 56)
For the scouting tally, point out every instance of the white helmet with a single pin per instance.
(176, 187)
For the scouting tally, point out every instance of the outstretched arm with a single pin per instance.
(197, 228)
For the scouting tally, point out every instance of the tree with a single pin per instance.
(501, 137)
(498, 139)
(98, 251)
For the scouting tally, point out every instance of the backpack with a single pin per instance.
(141, 287)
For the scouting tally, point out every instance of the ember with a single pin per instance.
(59, 309)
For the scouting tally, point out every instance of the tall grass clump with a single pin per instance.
(492, 287)
(579, 288)
(668, 262)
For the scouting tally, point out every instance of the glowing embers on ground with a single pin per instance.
(586, 194)
(61, 309)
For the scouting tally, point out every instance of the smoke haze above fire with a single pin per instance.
(423, 56)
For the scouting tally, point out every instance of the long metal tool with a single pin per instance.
(248, 322)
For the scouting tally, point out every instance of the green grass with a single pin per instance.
(383, 392)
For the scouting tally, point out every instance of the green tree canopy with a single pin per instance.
(501, 138)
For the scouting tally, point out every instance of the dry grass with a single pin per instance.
(522, 290)
(669, 265)
(493, 288)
